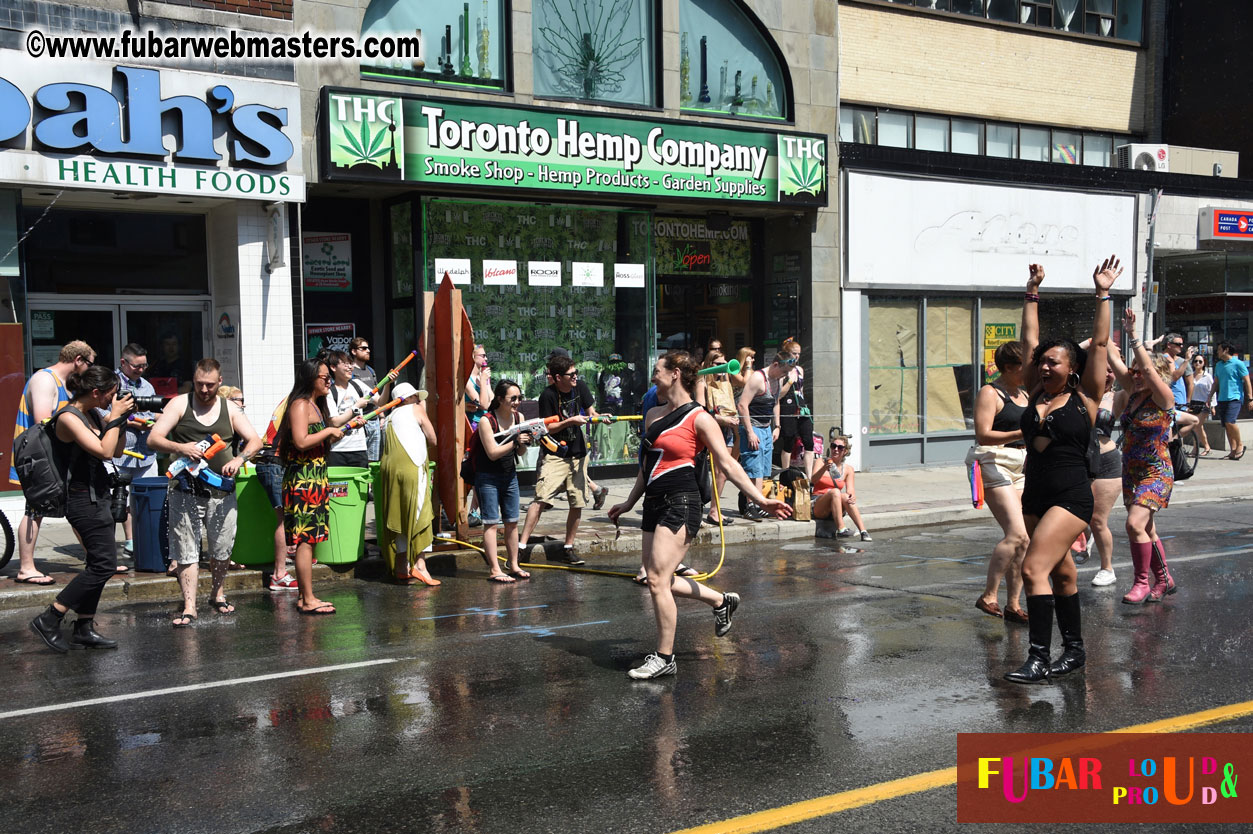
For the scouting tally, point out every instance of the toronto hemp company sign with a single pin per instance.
(407, 139)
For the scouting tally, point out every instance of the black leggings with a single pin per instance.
(94, 525)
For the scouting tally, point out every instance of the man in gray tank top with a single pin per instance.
(204, 503)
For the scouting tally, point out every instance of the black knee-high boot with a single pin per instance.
(1070, 625)
(1040, 631)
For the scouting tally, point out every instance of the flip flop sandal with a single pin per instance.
(222, 606)
(190, 618)
(686, 571)
(122, 569)
(317, 611)
(642, 581)
(35, 580)
(519, 574)
(502, 579)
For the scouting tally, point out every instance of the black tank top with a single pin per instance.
(761, 407)
(504, 465)
(84, 470)
(1009, 418)
(1069, 429)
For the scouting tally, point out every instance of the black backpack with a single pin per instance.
(1182, 463)
(41, 469)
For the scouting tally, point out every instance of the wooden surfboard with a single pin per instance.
(449, 353)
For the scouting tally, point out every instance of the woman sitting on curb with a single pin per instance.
(832, 481)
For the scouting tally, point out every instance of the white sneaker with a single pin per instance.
(653, 667)
(865, 536)
(286, 582)
(1103, 577)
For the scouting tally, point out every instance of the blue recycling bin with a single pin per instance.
(151, 524)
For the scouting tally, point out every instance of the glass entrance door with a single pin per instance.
(174, 332)
(53, 324)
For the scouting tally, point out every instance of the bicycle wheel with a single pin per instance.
(9, 541)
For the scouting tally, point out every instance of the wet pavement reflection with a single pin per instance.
(475, 707)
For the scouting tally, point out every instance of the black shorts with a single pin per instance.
(360, 460)
(1111, 465)
(792, 425)
(673, 511)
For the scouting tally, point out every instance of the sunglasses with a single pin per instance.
(514, 399)
(571, 375)
(327, 378)
(838, 448)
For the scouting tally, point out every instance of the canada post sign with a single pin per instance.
(407, 139)
(122, 128)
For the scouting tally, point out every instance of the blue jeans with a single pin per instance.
(757, 464)
(270, 476)
(498, 496)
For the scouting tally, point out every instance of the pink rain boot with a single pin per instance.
(1165, 583)
(1141, 554)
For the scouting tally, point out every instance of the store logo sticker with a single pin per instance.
(586, 274)
(458, 269)
(500, 273)
(802, 166)
(543, 273)
(367, 136)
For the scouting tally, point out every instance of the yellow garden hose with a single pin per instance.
(700, 577)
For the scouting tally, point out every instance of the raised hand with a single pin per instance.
(1036, 277)
(1107, 273)
(1129, 320)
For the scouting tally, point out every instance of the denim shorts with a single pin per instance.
(1228, 411)
(674, 511)
(757, 464)
(498, 496)
(270, 476)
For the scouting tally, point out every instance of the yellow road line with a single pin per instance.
(845, 800)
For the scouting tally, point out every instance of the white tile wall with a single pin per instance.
(265, 314)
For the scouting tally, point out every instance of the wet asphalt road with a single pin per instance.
(490, 708)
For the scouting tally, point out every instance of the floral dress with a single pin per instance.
(306, 519)
(1147, 474)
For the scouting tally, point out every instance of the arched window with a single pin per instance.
(464, 42)
(598, 50)
(727, 62)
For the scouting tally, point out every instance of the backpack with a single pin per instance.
(701, 464)
(1182, 463)
(472, 448)
(41, 469)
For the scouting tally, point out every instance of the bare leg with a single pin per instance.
(188, 583)
(572, 523)
(533, 513)
(785, 460)
(1105, 492)
(489, 550)
(1200, 429)
(663, 550)
(27, 535)
(1050, 545)
(511, 547)
(304, 578)
(1006, 506)
(280, 546)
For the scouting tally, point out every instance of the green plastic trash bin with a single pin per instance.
(254, 521)
(346, 497)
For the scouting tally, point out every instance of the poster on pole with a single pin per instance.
(327, 261)
(226, 343)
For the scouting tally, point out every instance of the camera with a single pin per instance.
(119, 494)
(143, 403)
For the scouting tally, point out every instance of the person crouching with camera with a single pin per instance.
(82, 442)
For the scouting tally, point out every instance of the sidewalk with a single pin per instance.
(933, 495)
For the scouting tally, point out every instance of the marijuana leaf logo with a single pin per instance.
(803, 177)
(366, 147)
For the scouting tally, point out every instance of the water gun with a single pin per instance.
(210, 446)
(393, 374)
(613, 418)
(359, 421)
(537, 428)
(976, 485)
(732, 367)
(134, 454)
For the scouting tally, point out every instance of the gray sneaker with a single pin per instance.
(653, 667)
(865, 536)
(844, 532)
(722, 614)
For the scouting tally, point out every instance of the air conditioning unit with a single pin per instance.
(1144, 157)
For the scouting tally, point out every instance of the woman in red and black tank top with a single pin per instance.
(674, 435)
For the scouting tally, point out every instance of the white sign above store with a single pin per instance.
(919, 234)
(96, 125)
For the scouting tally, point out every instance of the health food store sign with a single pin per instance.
(407, 139)
(120, 128)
